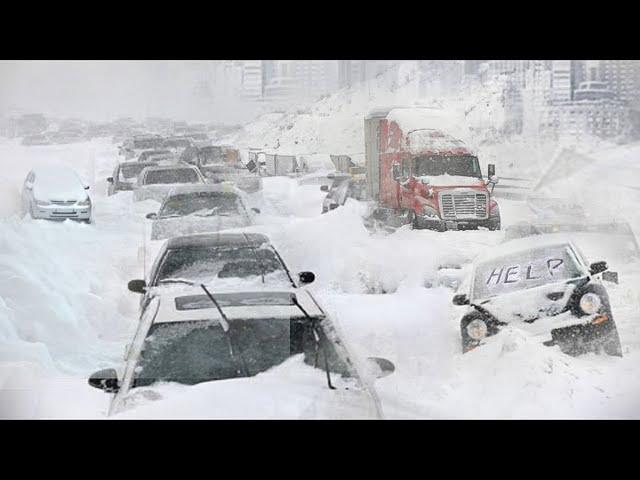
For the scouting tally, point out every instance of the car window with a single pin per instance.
(523, 270)
(178, 175)
(210, 263)
(205, 204)
(199, 351)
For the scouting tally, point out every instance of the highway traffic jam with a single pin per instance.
(220, 303)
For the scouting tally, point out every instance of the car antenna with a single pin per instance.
(316, 337)
(224, 323)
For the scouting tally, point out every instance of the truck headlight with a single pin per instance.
(429, 212)
(42, 202)
(590, 303)
(477, 329)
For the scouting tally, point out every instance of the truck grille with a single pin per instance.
(63, 202)
(463, 205)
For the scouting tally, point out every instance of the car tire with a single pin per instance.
(33, 215)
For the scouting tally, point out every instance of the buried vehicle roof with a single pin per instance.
(217, 240)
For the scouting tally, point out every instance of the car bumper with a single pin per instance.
(51, 212)
(430, 223)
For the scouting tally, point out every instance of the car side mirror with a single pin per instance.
(86, 187)
(380, 367)
(151, 216)
(137, 286)
(460, 299)
(110, 179)
(324, 188)
(597, 267)
(395, 171)
(491, 170)
(306, 277)
(255, 210)
(106, 380)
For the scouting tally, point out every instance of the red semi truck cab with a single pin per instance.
(419, 170)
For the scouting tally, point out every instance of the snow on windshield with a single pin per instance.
(524, 270)
(206, 264)
(205, 203)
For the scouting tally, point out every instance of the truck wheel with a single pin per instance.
(495, 225)
(611, 344)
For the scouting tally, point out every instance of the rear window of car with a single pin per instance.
(524, 270)
(178, 175)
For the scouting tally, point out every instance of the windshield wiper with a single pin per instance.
(224, 323)
(318, 340)
(176, 280)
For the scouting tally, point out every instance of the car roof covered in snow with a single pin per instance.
(217, 240)
(525, 244)
(192, 304)
(174, 166)
(57, 182)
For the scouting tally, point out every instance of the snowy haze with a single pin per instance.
(103, 90)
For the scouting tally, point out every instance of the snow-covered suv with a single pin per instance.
(545, 286)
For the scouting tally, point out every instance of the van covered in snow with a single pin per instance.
(418, 169)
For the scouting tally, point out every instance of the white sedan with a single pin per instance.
(55, 193)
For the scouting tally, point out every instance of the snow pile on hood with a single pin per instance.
(57, 182)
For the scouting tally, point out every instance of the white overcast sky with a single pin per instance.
(101, 89)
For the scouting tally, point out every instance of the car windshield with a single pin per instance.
(131, 171)
(523, 270)
(207, 263)
(145, 155)
(199, 351)
(206, 203)
(434, 165)
(177, 175)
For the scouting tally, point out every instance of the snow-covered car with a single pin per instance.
(229, 261)
(33, 140)
(144, 156)
(278, 348)
(344, 186)
(55, 192)
(125, 176)
(155, 182)
(191, 209)
(542, 285)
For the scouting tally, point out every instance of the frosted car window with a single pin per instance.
(203, 203)
(203, 264)
(183, 175)
(524, 270)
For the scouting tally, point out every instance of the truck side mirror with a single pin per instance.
(460, 299)
(110, 179)
(396, 172)
(491, 170)
(151, 216)
(324, 188)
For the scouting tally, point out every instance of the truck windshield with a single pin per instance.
(434, 165)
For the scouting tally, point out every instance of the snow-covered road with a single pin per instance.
(65, 310)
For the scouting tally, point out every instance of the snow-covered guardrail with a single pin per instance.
(513, 188)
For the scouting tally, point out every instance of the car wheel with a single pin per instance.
(33, 215)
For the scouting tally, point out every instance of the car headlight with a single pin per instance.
(85, 203)
(477, 329)
(429, 212)
(590, 303)
(42, 202)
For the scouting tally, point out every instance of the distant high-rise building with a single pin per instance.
(623, 77)
(561, 81)
(252, 79)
